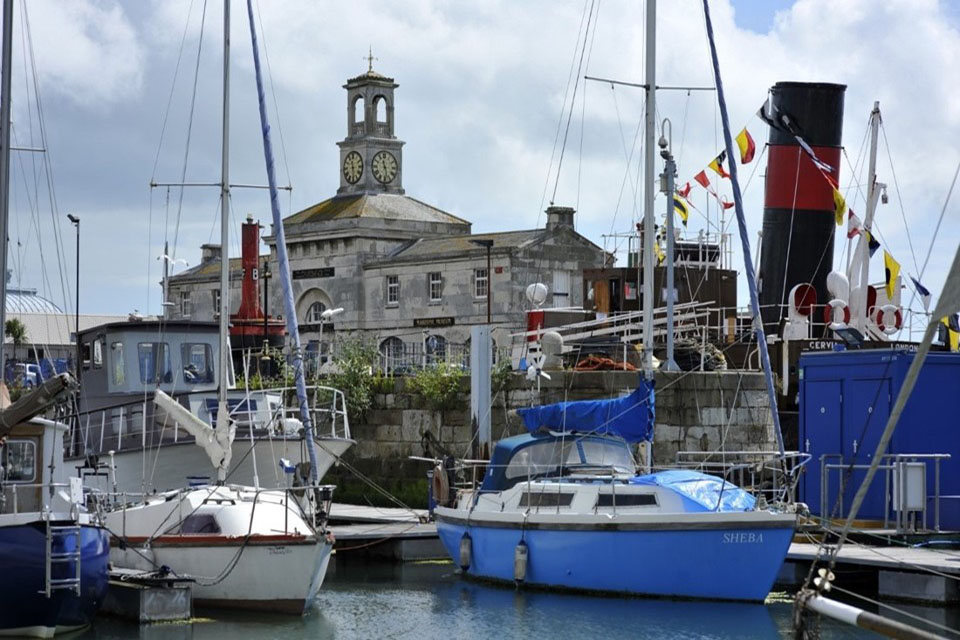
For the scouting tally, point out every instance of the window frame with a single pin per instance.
(393, 290)
(435, 278)
(477, 280)
(116, 358)
(216, 302)
(186, 307)
(6, 459)
(314, 318)
(164, 349)
(185, 361)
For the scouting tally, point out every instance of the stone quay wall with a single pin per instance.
(709, 411)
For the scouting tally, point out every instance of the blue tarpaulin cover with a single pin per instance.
(702, 492)
(630, 417)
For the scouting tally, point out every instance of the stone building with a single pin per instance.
(406, 274)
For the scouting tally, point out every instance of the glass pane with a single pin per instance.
(197, 359)
(154, 358)
(118, 369)
(21, 461)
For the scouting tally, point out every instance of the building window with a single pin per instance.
(185, 304)
(393, 290)
(481, 282)
(314, 313)
(436, 286)
(216, 302)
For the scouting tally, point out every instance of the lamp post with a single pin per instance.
(265, 276)
(75, 220)
(324, 318)
(488, 244)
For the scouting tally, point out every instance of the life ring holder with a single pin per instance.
(441, 486)
(897, 319)
(828, 314)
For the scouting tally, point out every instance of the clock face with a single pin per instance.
(384, 167)
(352, 167)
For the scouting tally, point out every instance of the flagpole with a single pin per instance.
(648, 192)
(860, 313)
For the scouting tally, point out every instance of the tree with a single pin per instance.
(17, 332)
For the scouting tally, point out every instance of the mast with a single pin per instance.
(223, 418)
(859, 312)
(283, 264)
(648, 192)
(5, 162)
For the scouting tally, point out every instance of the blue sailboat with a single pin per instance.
(561, 507)
(53, 555)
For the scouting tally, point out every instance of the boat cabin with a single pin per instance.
(546, 454)
(29, 457)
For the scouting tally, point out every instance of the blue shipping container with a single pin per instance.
(845, 401)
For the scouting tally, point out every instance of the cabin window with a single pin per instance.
(546, 499)
(118, 371)
(20, 461)
(481, 280)
(97, 354)
(393, 290)
(197, 359)
(154, 358)
(200, 523)
(600, 453)
(538, 459)
(436, 286)
(626, 500)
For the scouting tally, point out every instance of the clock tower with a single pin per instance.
(371, 158)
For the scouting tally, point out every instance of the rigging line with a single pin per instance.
(576, 85)
(899, 611)
(566, 93)
(628, 156)
(186, 150)
(173, 86)
(273, 94)
(903, 213)
(583, 115)
(683, 128)
(47, 166)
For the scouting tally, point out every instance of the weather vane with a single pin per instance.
(369, 58)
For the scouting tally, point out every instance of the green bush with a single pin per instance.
(354, 376)
(438, 385)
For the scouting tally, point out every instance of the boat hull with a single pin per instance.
(24, 608)
(732, 561)
(278, 574)
(169, 467)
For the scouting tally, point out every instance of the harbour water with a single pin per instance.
(429, 600)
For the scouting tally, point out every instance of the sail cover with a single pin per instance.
(630, 417)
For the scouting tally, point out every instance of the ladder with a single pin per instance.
(67, 541)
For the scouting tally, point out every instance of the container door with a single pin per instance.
(866, 409)
(821, 434)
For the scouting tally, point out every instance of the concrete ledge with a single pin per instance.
(917, 587)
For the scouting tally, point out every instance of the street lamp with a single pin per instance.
(324, 318)
(75, 220)
(488, 244)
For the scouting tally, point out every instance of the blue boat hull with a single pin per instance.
(721, 564)
(24, 608)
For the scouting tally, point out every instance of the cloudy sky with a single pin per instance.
(483, 88)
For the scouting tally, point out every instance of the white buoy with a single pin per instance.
(520, 555)
(537, 294)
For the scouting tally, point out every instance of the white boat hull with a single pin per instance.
(169, 467)
(281, 574)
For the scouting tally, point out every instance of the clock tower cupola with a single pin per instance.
(371, 159)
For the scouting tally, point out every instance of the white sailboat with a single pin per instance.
(245, 547)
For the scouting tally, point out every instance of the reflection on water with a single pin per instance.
(429, 600)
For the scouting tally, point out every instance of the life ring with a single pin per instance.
(897, 319)
(828, 312)
(441, 486)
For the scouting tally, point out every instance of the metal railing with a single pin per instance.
(895, 467)
(762, 473)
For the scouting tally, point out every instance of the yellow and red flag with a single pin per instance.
(717, 165)
(747, 146)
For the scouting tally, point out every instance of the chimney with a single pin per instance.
(209, 253)
(559, 217)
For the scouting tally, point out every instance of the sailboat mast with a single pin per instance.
(225, 219)
(860, 311)
(648, 191)
(5, 161)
